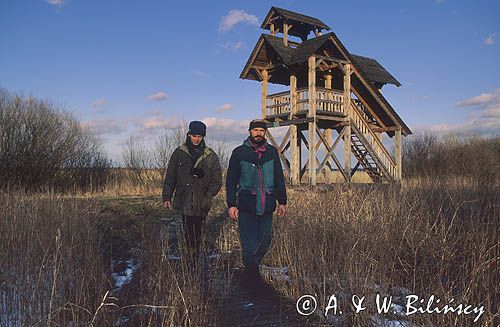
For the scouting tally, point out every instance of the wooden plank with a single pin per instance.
(347, 133)
(331, 154)
(264, 93)
(285, 34)
(290, 122)
(294, 137)
(328, 133)
(332, 59)
(370, 110)
(387, 129)
(312, 125)
(282, 157)
(398, 153)
(285, 141)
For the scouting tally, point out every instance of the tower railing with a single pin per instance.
(327, 100)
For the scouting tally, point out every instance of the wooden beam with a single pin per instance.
(347, 133)
(275, 144)
(328, 132)
(312, 125)
(319, 62)
(370, 110)
(330, 154)
(285, 34)
(306, 145)
(294, 137)
(387, 129)
(399, 155)
(264, 93)
(284, 142)
(332, 59)
(290, 122)
(273, 31)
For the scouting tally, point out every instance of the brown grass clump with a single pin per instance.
(421, 239)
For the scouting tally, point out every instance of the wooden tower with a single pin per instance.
(328, 89)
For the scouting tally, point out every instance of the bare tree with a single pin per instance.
(43, 146)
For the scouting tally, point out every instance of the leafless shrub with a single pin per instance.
(42, 146)
(427, 155)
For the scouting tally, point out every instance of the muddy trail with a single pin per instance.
(143, 248)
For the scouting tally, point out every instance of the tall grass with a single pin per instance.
(51, 269)
(423, 239)
(433, 234)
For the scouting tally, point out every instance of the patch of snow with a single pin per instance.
(124, 277)
(379, 322)
(398, 309)
(276, 273)
(173, 257)
(248, 305)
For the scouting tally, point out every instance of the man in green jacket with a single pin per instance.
(254, 184)
(194, 176)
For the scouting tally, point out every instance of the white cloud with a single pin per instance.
(106, 126)
(485, 100)
(482, 99)
(158, 96)
(55, 2)
(490, 40)
(99, 103)
(232, 45)
(235, 17)
(484, 120)
(226, 129)
(225, 107)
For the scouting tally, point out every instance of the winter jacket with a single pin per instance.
(252, 184)
(193, 195)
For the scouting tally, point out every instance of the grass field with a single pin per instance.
(61, 254)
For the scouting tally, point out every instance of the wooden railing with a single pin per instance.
(326, 100)
(278, 103)
(329, 100)
(332, 100)
(360, 120)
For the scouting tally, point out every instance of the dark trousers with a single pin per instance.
(255, 236)
(193, 227)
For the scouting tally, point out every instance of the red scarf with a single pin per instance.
(259, 149)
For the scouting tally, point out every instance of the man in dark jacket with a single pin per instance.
(254, 183)
(194, 173)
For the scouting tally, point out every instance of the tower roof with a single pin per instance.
(302, 25)
(289, 56)
(271, 53)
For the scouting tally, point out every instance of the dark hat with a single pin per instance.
(197, 128)
(257, 123)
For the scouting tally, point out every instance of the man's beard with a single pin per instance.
(260, 141)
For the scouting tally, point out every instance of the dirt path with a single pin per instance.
(124, 228)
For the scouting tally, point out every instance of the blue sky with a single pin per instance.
(135, 67)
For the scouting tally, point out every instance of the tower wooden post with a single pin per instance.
(347, 133)
(265, 77)
(328, 131)
(285, 34)
(294, 135)
(312, 124)
(399, 155)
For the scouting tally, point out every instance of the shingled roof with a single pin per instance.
(302, 25)
(277, 44)
(371, 68)
(374, 71)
